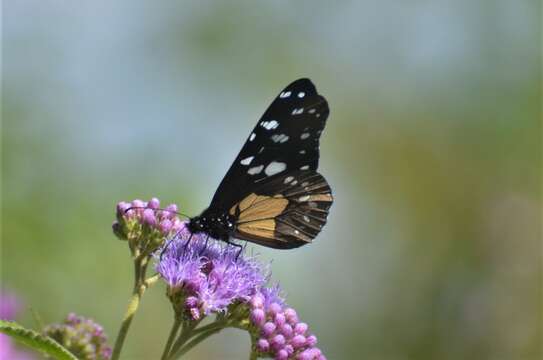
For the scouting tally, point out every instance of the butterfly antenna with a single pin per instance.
(158, 209)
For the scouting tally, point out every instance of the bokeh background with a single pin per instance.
(432, 148)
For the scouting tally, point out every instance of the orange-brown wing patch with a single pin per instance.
(259, 207)
(260, 228)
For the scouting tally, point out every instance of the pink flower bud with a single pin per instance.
(300, 328)
(258, 316)
(263, 345)
(154, 203)
(268, 329)
(298, 341)
(311, 340)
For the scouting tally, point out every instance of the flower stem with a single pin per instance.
(195, 341)
(171, 337)
(140, 285)
(186, 333)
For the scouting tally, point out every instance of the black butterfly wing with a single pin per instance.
(285, 139)
(285, 212)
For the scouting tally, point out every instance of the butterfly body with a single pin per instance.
(272, 194)
(214, 222)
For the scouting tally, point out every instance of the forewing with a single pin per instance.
(285, 212)
(285, 139)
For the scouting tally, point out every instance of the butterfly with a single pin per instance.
(272, 194)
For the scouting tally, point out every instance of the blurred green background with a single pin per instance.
(432, 250)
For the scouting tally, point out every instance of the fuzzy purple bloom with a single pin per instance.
(83, 337)
(212, 274)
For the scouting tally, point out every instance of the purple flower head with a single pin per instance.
(144, 224)
(211, 274)
(279, 332)
(83, 337)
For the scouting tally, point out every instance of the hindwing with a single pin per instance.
(285, 212)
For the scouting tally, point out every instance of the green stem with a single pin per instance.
(171, 337)
(195, 341)
(253, 355)
(186, 333)
(140, 285)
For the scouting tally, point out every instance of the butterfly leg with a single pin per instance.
(205, 246)
(186, 246)
(168, 244)
(239, 246)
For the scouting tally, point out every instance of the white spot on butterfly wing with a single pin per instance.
(301, 94)
(285, 94)
(269, 125)
(302, 151)
(305, 167)
(297, 111)
(280, 138)
(303, 198)
(288, 179)
(247, 160)
(275, 167)
(255, 170)
(252, 137)
(312, 111)
(306, 218)
(304, 136)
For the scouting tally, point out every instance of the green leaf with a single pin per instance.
(35, 340)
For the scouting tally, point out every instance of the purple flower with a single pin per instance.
(280, 334)
(83, 337)
(205, 276)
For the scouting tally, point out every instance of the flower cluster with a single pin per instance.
(206, 276)
(280, 333)
(82, 337)
(144, 224)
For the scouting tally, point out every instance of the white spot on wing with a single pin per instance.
(252, 137)
(288, 179)
(280, 138)
(268, 125)
(247, 160)
(305, 167)
(255, 170)
(301, 94)
(303, 198)
(285, 94)
(275, 167)
(306, 218)
(297, 111)
(302, 151)
(294, 182)
(304, 136)
(312, 111)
